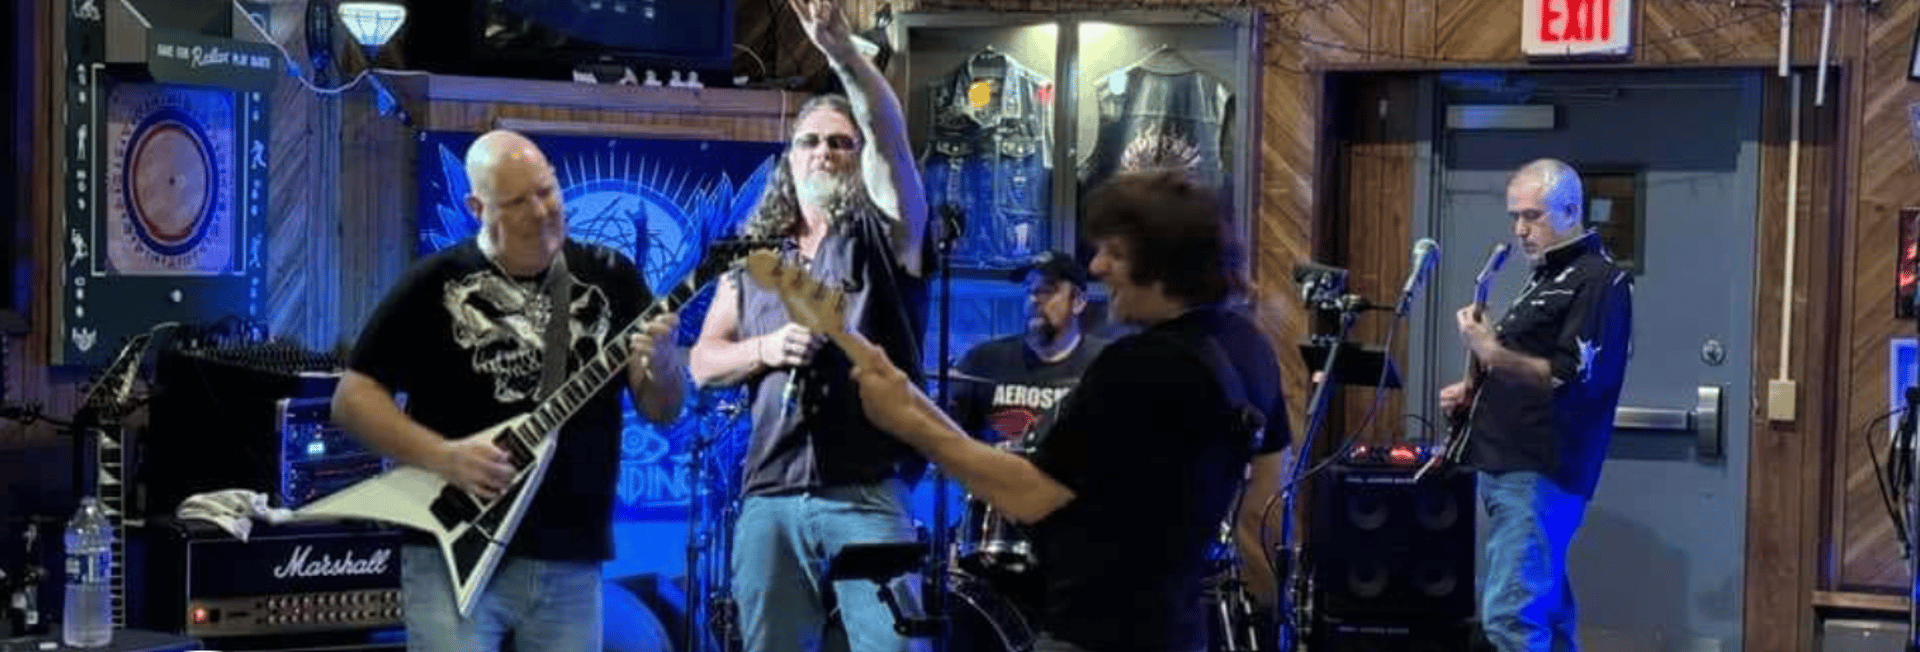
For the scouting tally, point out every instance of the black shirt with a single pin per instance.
(1143, 442)
(822, 438)
(466, 343)
(1577, 313)
(1024, 391)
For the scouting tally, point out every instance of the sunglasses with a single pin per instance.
(837, 142)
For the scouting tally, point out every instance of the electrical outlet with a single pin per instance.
(1780, 399)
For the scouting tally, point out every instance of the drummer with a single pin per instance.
(1008, 387)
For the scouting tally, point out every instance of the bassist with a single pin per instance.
(464, 334)
(1540, 425)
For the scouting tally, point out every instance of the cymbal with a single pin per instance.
(963, 377)
(959, 376)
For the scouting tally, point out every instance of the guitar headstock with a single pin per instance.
(108, 393)
(723, 254)
(809, 302)
(1484, 281)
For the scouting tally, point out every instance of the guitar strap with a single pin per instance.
(1249, 423)
(559, 325)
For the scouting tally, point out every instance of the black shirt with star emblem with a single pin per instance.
(1576, 313)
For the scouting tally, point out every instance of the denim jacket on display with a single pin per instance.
(994, 162)
(1152, 119)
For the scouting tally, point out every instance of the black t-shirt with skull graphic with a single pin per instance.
(465, 343)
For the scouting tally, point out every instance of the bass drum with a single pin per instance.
(984, 620)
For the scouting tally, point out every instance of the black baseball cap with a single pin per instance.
(1054, 265)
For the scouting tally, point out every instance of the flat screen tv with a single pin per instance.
(549, 39)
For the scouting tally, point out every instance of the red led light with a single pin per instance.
(200, 615)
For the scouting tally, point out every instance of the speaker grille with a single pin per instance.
(1384, 547)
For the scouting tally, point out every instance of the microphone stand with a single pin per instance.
(1289, 567)
(698, 538)
(1902, 463)
(952, 219)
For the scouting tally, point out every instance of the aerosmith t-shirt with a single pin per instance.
(1018, 392)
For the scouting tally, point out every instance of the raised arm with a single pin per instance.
(886, 160)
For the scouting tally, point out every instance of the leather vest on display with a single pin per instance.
(994, 162)
(1155, 120)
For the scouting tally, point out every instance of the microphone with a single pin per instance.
(1426, 253)
(789, 394)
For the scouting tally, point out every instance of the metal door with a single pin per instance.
(1658, 561)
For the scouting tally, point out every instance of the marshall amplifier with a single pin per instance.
(287, 579)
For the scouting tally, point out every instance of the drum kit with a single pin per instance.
(991, 567)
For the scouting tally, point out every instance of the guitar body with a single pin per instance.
(1460, 419)
(473, 534)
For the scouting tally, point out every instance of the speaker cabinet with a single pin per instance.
(1387, 549)
(1415, 636)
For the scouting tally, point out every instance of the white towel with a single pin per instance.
(234, 510)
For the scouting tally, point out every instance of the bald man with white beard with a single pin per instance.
(464, 334)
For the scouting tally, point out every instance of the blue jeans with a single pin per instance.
(781, 547)
(546, 606)
(1527, 602)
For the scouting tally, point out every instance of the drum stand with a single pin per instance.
(701, 594)
(1238, 622)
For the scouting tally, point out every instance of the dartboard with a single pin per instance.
(170, 159)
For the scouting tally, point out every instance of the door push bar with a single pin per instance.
(1709, 429)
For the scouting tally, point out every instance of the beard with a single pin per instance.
(830, 190)
(1043, 329)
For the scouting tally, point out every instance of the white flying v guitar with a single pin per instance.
(472, 534)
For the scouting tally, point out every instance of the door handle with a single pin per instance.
(1704, 420)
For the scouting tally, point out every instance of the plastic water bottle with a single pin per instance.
(89, 605)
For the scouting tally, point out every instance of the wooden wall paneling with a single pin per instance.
(1783, 471)
(1477, 30)
(1376, 152)
(298, 266)
(27, 378)
(377, 219)
(1686, 31)
(1839, 347)
(1418, 28)
(1885, 174)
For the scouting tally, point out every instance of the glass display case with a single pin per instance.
(1015, 116)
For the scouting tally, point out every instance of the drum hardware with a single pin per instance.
(989, 543)
(710, 534)
(983, 619)
(882, 563)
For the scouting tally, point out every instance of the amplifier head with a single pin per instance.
(283, 580)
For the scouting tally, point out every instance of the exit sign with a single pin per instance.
(1558, 28)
